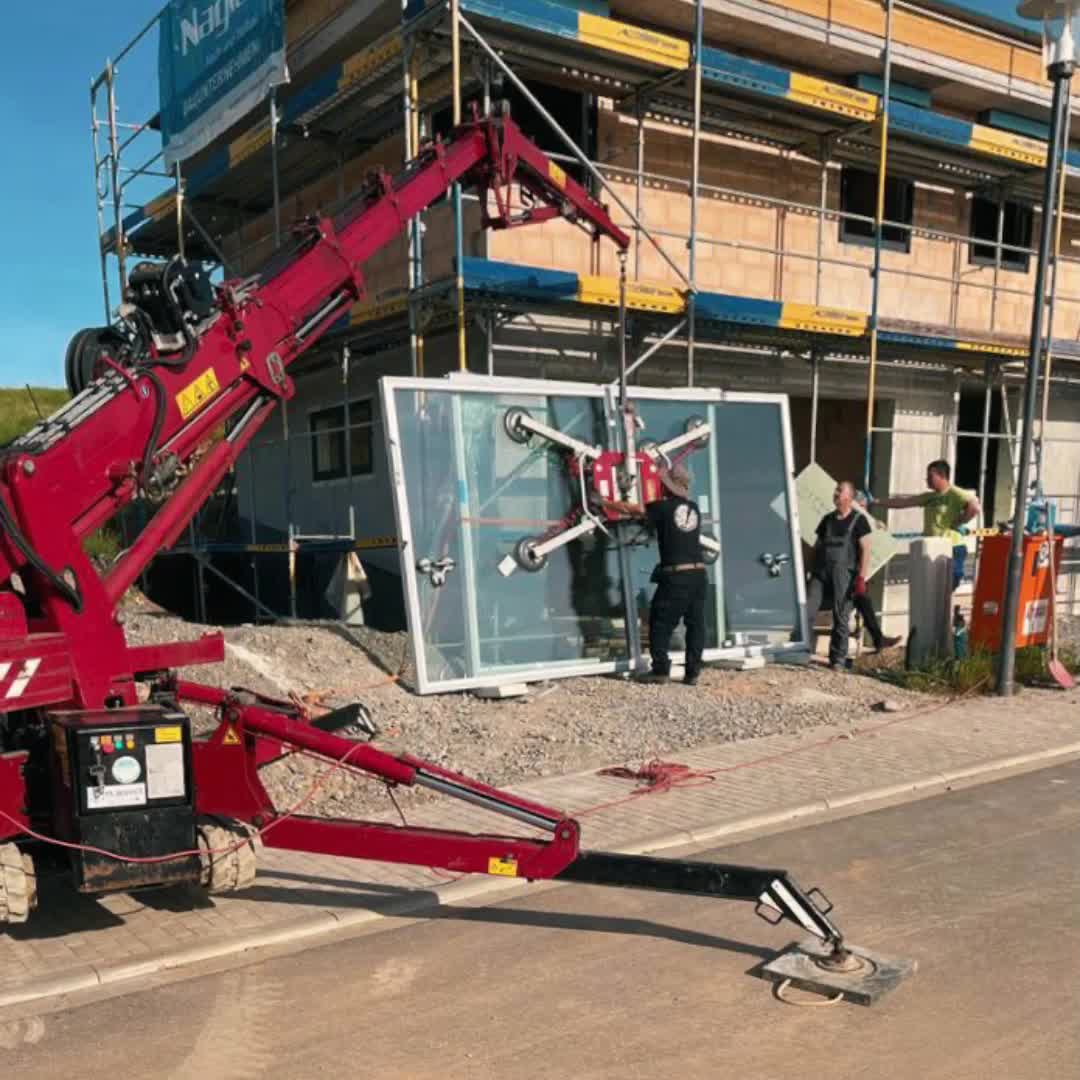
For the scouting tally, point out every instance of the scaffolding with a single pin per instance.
(454, 49)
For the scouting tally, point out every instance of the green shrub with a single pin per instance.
(977, 672)
(103, 546)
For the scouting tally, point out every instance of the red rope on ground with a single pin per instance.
(658, 777)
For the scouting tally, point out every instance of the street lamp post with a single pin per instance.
(1060, 27)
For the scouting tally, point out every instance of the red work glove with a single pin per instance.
(860, 585)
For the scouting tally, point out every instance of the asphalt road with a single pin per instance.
(981, 887)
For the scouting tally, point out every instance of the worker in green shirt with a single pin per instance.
(945, 509)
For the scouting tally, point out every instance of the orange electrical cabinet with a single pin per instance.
(1033, 615)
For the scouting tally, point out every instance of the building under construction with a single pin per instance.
(745, 146)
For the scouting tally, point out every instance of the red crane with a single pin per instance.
(96, 753)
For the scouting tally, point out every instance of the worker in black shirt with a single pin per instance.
(680, 578)
(841, 559)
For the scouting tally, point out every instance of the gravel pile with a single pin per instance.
(560, 727)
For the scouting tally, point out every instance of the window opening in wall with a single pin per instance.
(858, 195)
(331, 435)
(574, 111)
(969, 448)
(1018, 232)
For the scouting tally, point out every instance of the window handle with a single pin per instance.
(436, 570)
(773, 563)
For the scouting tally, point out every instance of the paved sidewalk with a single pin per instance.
(72, 943)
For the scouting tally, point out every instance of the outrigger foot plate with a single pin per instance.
(864, 978)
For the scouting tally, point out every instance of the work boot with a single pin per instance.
(655, 678)
(886, 643)
(690, 678)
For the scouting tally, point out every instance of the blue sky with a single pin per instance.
(50, 282)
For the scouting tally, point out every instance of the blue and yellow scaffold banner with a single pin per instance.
(217, 60)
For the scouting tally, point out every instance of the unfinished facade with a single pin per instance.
(742, 143)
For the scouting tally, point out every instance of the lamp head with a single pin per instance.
(1060, 30)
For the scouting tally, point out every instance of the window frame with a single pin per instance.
(1013, 261)
(861, 233)
(342, 435)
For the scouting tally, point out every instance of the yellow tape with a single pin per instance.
(376, 542)
(823, 320)
(832, 97)
(556, 175)
(160, 207)
(988, 347)
(249, 143)
(366, 543)
(635, 41)
(640, 296)
(366, 312)
(988, 140)
(197, 393)
(504, 867)
(370, 59)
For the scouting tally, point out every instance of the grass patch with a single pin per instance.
(103, 546)
(977, 672)
(17, 411)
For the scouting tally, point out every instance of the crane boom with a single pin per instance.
(162, 385)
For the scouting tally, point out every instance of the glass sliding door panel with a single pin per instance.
(756, 518)
(472, 494)
(661, 422)
(467, 493)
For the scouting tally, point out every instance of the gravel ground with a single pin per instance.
(560, 727)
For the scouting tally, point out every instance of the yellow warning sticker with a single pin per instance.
(167, 734)
(557, 175)
(505, 867)
(230, 738)
(197, 393)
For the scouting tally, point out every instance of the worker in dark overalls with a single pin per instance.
(841, 559)
(680, 579)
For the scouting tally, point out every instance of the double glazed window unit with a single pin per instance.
(466, 494)
(859, 195)
(1017, 230)
(342, 446)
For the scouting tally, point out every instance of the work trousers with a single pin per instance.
(865, 607)
(679, 595)
(839, 588)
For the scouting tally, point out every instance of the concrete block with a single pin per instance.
(739, 663)
(929, 599)
(497, 693)
(799, 659)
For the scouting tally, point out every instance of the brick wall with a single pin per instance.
(935, 283)
(748, 245)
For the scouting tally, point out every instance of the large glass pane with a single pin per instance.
(425, 433)
(662, 421)
(570, 610)
(755, 522)
(473, 493)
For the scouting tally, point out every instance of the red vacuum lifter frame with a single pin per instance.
(149, 424)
